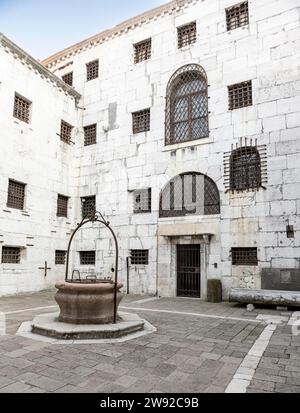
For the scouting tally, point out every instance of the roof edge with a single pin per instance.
(28, 59)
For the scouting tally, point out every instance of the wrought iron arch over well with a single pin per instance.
(190, 194)
(187, 105)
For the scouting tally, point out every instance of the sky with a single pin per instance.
(44, 27)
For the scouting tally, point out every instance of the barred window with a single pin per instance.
(237, 16)
(141, 121)
(240, 95)
(187, 34)
(11, 255)
(92, 70)
(245, 169)
(68, 78)
(22, 108)
(244, 256)
(16, 195)
(139, 257)
(142, 51)
(87, 257)
(90, 135)
(187, 106)
(66, 132)
(190, 194)
(142, 201)
(62, 206)
(88, 206)
(60, 257)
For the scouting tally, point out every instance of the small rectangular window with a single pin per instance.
(87, 257)
(88, 205)
(60, 257)
(66, 132)
(141, 121)
(244, 256)
(90, 135)
(22, 108)
(142, 201)
(11, 255)
(62, 206)
(237, 16)
(240, 95)
(142, 51)
(139, 257)
(16, 195)
(92, 70)
(187, 34)
(68, 78)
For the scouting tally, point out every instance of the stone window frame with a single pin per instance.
(60, 257)
(87, 258)
(142, 51)
(11, 255)
(22, 108)
(62, 206)
(142, 201)
(187, 34)
(240, 95)
(244, 256)
(92, 70)
(139, 257)
(186, 103)
(90, 134)
(141, 121)
(237, 16)
(16, 195)
(68, 78)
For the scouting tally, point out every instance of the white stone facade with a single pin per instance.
(267, 51)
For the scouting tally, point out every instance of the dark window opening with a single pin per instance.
(66, 132)
(62, 206)
(141, 121)
(237, 16)
(87, 257)
(244, 256)
(68, 78)
(60, 257)
(142, 201)
(240, 95)
(245, 169)
(142, 51)
(16, 195)
(187, 34)
(11, 255)
(22, 109)
(139, 257)
(92, 70)
(90, 135)
(88, 206)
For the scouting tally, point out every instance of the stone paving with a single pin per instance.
(198, 348)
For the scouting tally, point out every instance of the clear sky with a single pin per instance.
(43, 27)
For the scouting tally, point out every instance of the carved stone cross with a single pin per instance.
(45, 268)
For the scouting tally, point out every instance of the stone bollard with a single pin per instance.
(214, 291)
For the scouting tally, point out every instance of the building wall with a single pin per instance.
(266, 52)
(33, 154)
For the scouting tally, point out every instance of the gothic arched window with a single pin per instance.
(187, 105)
(190, 194)
(245, 169)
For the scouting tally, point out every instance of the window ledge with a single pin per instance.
(183, 145)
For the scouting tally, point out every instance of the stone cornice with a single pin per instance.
(120, 29)
(36, 66)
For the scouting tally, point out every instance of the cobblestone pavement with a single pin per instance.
(198, 348)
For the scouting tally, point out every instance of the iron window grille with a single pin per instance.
(62, 206)
(88, 206)
(66, 132)
(142, 51)
(290, 231)
(11, 255)
(141, 121)
(245, 167)
(240, 95)
(190, 194)
(187, 106)
(87, 257)
(22, 109)
(244, 256)
(237, 16)
(92, 70)
(187, 35)
(142, 201)
(60, 257)
(68, 78)
(90, 135)
(16, 195)
(139, 257)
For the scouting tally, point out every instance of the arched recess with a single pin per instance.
(189, 194)
(187, 105)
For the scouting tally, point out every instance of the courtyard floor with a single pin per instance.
(197, 348)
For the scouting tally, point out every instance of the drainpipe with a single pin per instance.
(128, 273)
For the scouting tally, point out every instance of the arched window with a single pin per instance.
(190, 194)
(245, 169)
(187, 105)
